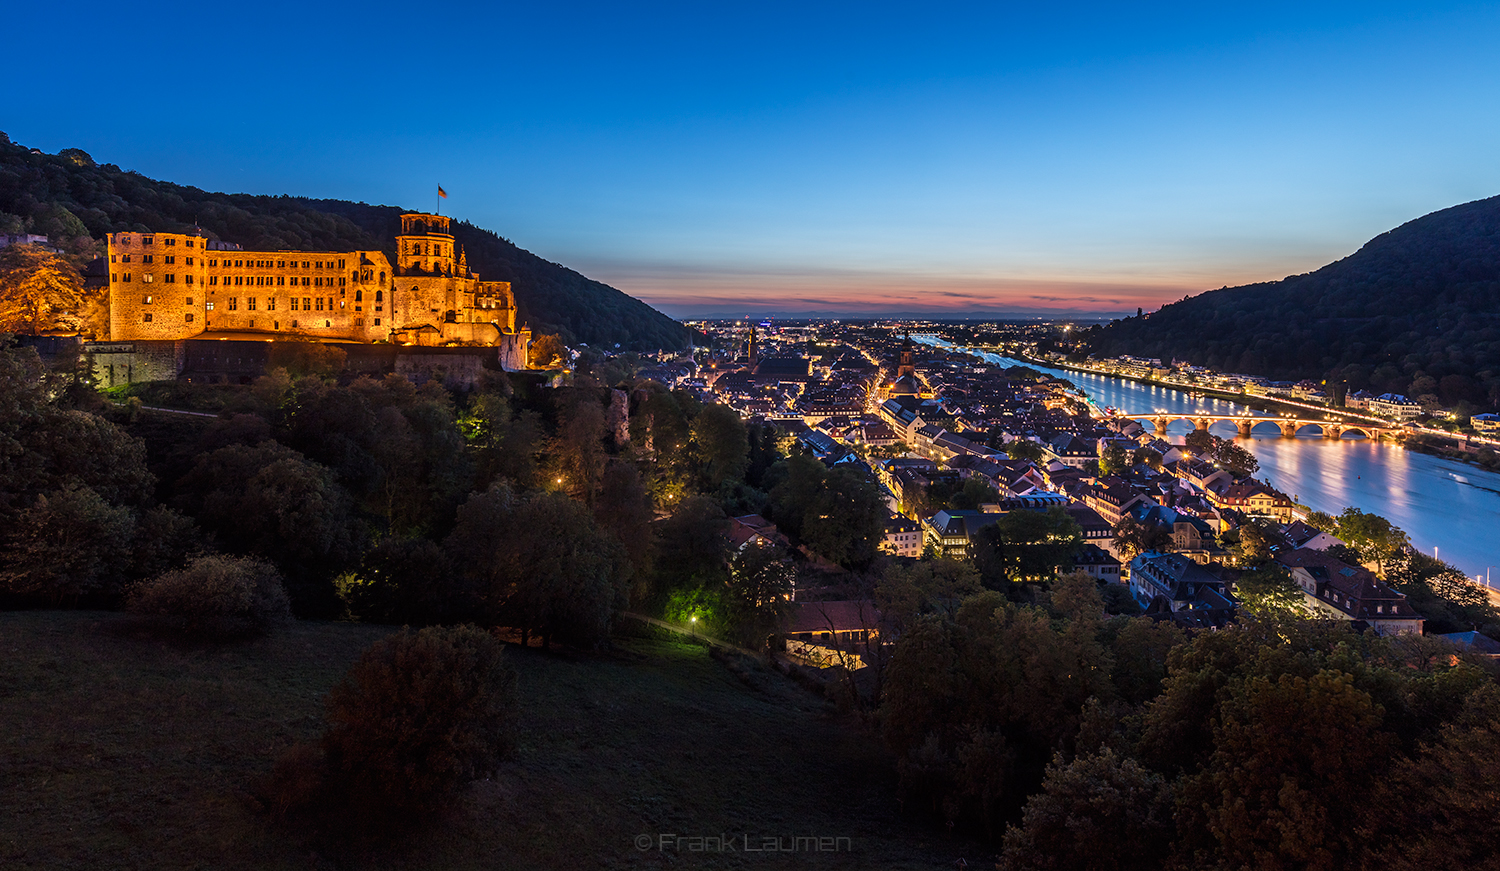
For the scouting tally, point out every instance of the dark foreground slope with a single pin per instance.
(68, 196)
(1420, 301)
(118, 751)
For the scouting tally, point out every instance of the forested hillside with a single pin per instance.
(1415, 311)
(75, 201)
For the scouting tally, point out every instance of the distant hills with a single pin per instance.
(72, 199)
(1414, 311)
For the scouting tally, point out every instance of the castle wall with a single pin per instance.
(118, 363)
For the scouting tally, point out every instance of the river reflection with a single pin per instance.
(1443, 505)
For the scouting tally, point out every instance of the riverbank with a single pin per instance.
(1453, 449)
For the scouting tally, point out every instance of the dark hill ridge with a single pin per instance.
(69, 197)
(1415, 311)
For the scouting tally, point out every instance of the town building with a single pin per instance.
(176, 286)
(1486, 424)
(1335, 589)
(1395, 406)
(1175, 583)
(903, 537)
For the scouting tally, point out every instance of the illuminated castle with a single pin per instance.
(171, 286)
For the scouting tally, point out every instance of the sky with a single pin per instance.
(722, 160)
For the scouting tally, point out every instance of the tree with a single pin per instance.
(66, 549)
(1113, 460)
(547, 351)
(760, 584)
(541, 564)
(1133, 538)
(1101, 812)
(723, 445)
(1376, 538)
(38, 291)
(1026, 546)
(216, 597)
(623, 509)
(503, 442)
(1235, 460)
(419, 715)
(1200, 442)
(1270, 593)
(905, 592)
(407, 581)
(1289, 753)
(1024, 449)
(272, 502)
(846, 520)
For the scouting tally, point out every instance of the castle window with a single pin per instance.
(189, 243)
(379, 296)
(280, 280)
(213, 279)
(328, 323)
(306, 304)
(234, 303)
(171, 278)
(382, 277)
(359, 296)
(294, 303)
(359, 322)
(238, 262)
(171, 241)
(317, 282)
(148, 278)
(189, 317)
(377, 322)
(306, 265)
(188, 278)
(239, 279)
(377, 308)
(169, 259)
(147, 300)
(270, 303)
(190, 261)
(281, 264)
(125, 258)
(125, 277)
(318, 265)
(114, 276)
(341, 282)
(330, 303)
(213, 263)
(146, 258)
(146, 317)
(188, 301)
(320, 303)
(250, 303)
(208, 306)
(113, 258)
(146, 240)
(124, 240)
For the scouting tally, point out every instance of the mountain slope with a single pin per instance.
(1416, 311)
(73, 200)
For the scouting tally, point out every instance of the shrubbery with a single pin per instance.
(216, 597)
(420, 715)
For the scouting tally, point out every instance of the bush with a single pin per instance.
(408, 582)
(216, 597)
(417, 717)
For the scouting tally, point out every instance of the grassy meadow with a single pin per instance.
(120, 750)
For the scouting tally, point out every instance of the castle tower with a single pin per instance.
(425, 246)
(907, 367)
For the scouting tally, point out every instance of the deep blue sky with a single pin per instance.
(852, 157)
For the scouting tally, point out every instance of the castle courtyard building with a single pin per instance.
(174, 286)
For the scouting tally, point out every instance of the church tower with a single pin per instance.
(425, 246)
(754, 348)
(907, 367)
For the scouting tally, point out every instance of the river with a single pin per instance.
(1445, 506)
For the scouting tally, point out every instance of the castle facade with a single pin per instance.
(173, 286)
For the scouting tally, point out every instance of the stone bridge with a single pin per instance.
(1289, 426)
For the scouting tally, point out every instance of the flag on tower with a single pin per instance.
(442, 193)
